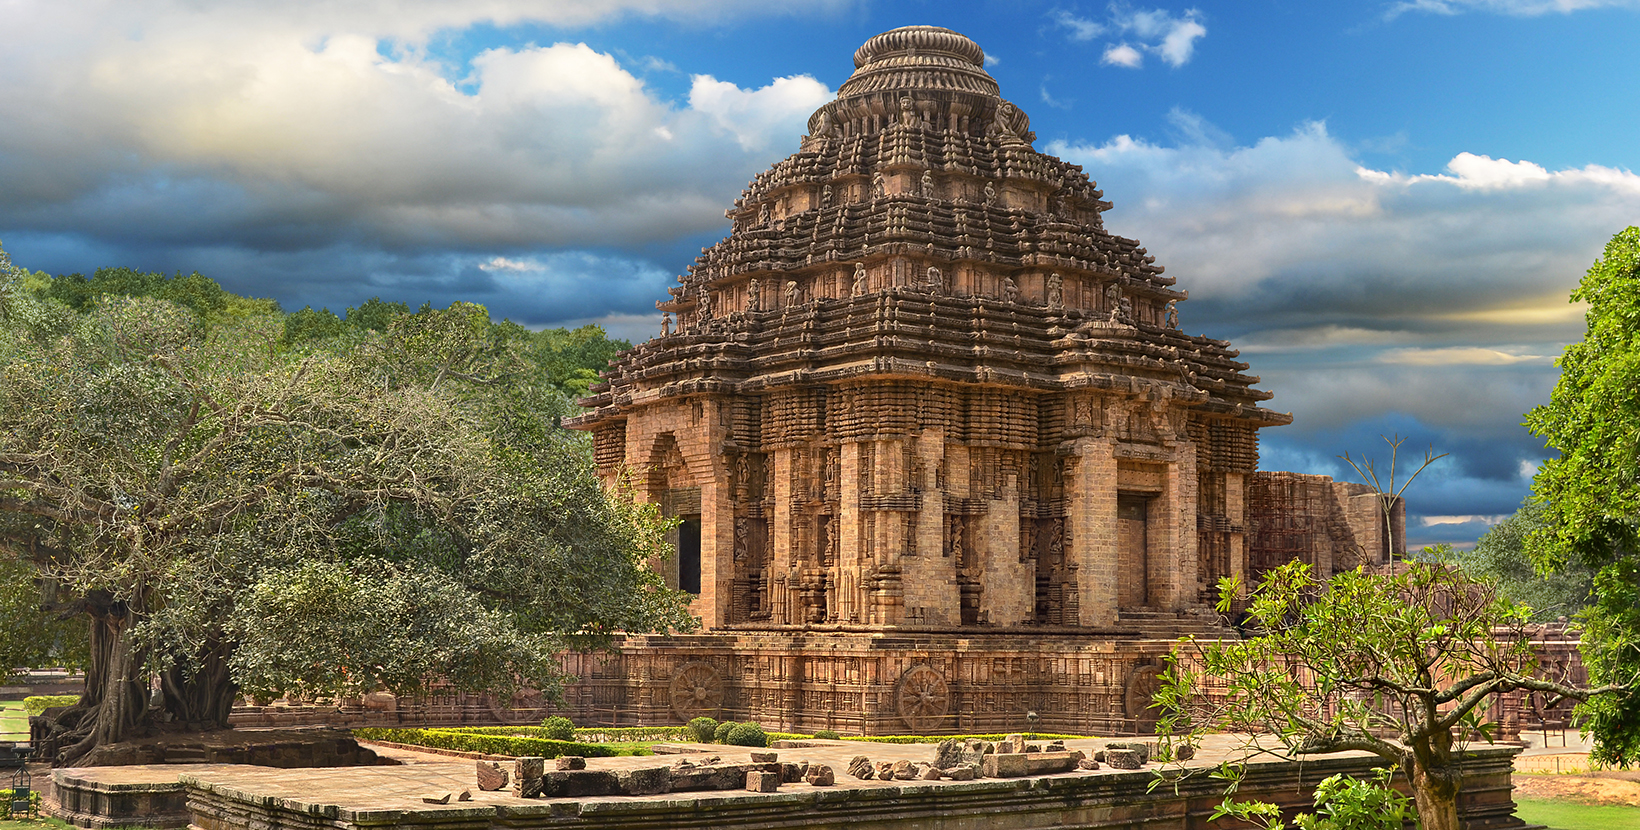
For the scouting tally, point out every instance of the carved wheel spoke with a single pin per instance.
(922, 698)
(696, 691)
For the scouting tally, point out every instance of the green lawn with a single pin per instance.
(13, 722)
(1563, 815)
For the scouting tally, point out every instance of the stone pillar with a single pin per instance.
(1235, 507)
(780, 538)
(930, 578)
(1091, 513)
(1010, 585)
(850, 546)
(1173, 565)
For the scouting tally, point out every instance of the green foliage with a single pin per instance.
(1562, 815)
(746, 734)
(38, 704)
(721, 733)
(199, 294)
(28, 638)
(1341, 803)
(463, 741)
(827, 734)
(1399, 665)
(1503, 558)
(1590, 494)
(558, 728)
(703, 729)
(8, 794)
(369, 511)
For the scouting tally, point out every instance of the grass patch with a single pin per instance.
(35, 824)
(13, 721)
(1565, 815)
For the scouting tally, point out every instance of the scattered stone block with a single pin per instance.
(1087, 763)
(820, 775)
(765, 757)
(1033, 747)
(491, 776)
(928, 772)
(576, 783)
(647, 781)
(905, 771)
(1003, 765)
(1137, 746)
(966, 772)
(437, 799)
(465, 795)
(762, 782)
(860, 767)
(1013, 744)
(1017, 765)
(1056, 746)
(975, 751)
(570, 762)
(885, 770)
(526, 776)
(948, 754)
(793, 773)
(1099, 755)
(1184, 752)
(1124, 758)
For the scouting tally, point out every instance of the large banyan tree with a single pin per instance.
(236, 516)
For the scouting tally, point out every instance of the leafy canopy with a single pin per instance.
(1590, 493)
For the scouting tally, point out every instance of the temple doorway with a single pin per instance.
(1132, 552)
(689, 555)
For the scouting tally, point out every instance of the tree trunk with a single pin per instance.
(200, 696)
(1434, 790)
(115, 704)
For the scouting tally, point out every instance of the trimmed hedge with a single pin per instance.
(38, 704)
(747, 734)
(464, 741)
(558, 728)
(590, 734)
(934, 739)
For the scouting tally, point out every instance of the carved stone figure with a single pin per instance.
(1010, 290)
(825, 196)
(1004, 121)
(666, 324)
(928, 184)
(859, 287)
(1124, 312)
(990, 193)
(936, 281)
(763, 215)
(703, 304)
(908, 113)
(754, 295)
(1056, 292)
(791, 293)
(1113, 301)
(877, 186)
(1172, 314)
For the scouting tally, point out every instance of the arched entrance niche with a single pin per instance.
(674, 487)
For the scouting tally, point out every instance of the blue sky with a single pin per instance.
(1384, 204)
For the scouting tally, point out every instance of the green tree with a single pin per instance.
(1503, 559)
(1590, 492)
(370, 512)
(1400, 665)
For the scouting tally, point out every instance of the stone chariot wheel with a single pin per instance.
(922, 698)
(696, 691)
(1142, 684)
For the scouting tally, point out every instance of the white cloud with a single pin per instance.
(1121, 54)
(241, 121)
(1459, 356)
(1517, 8)
(502, 263)
(1157, 31)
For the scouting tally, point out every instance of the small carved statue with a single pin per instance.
(990, 193)
(1124, 312)
(703, 304)
(928, 184)
(908, 115)
(877, 186)
(1172, 314)
(825, 196)
(1113, 300)
(936, 281)
(1010, 290)
(763, 215)
(859, 280)
(666, 324)
(754, 295)
(791, 293)
(822, 125)
(1004, 117)
(1056, 292)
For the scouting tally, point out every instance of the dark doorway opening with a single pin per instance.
(689, 555)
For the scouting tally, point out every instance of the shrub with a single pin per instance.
(703, 729)
(486, 743)
(747, 734)
(829, 735)
(558, 728)
(721, 733)
(38, 704)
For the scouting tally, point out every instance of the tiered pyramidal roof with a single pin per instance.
(918, 233)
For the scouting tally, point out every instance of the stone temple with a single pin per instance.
(943, 458)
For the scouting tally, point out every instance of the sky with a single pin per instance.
(1383, 204)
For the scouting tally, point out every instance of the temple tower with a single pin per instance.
(920, 386)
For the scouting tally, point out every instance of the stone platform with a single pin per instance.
(238, 797)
